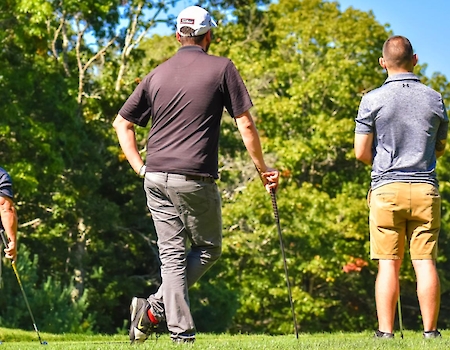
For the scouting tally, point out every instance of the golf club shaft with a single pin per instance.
(280, 236)
(13, 263)
(400, 317)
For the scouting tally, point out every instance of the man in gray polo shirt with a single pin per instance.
(401, 129)
(184, 97)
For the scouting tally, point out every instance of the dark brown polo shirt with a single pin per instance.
(184, 97)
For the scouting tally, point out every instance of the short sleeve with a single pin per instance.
(6, 189)
(364, 120)
(443, 127)
(236, 97)
(137, 108)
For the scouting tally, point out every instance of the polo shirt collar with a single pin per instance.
(190, 48)
(401, 77)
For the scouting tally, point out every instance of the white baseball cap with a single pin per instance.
(196, 18)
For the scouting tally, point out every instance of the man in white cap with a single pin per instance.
(184, 97)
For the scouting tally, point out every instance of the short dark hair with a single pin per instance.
(189, 38)
(398, 51)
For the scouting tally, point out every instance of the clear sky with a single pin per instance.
(423, 22)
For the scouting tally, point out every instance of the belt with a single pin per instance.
(199, 178)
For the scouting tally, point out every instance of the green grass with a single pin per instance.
(19, 339)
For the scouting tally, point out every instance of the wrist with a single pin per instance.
(262, 170)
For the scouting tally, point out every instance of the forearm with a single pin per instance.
(9, 222)
(367, 161)
(440, 148)
(363, 148)
(127, 140)
(251, 140)
(8, 217)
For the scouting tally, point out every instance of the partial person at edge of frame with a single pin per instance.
(401, 130)
(8, 215)
(184, 98)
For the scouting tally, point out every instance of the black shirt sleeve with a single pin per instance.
(236, 97)
(137, 108)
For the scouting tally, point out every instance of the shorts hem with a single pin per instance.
(385, 257)
(423, 257)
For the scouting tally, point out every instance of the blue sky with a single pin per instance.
(423, 22)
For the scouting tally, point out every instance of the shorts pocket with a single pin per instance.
(383, 208)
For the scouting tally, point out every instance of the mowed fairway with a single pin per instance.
(18, 339)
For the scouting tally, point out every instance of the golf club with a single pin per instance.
(13, 263)
(400, 318)
(280, 236)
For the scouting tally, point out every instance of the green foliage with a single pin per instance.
(55, 307)
(82, 209)
(14, 339)
(318, 247)
(214, 302)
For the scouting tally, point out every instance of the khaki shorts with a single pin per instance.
(400, 212)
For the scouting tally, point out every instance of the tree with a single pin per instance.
(67, 67)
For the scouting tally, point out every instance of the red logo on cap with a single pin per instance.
(187, 21)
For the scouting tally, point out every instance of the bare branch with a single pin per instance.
(55, 38)
(130, 44)
(65, 46)
(79, 61)
(99, 53)
(34, 223)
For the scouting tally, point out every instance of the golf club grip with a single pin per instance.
(5, 241)
(274, 204)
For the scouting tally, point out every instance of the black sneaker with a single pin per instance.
(141, 326)
(383, 335)
(432, 334)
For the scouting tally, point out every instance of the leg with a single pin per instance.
(183, 210)
(199, 208)
(424, 232)
(171, 301)
(428, 292)
(388, 207)
(386, 293)
(205, 233)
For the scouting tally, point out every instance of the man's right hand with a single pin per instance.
(270, 179)
(8, 217)
(11, 251)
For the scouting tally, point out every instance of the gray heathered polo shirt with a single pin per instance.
(406, 118)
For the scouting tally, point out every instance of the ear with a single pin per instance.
(415, 59)
(208, 36)
(382, 62)
(178, 37)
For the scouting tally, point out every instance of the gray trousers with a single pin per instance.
(188, 221)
